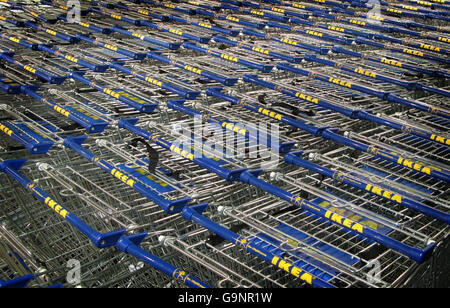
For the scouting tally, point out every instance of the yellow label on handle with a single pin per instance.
(6, 130)
(340, 82)
(56, 207)
(365, 73)
(124, 178)
(193, 69)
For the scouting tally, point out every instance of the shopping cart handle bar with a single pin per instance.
(395, 63)
(9, 85)
(87, 25)
(170, 206)
(194, 214)
(200, 39)
(411, 164)
(101, 240)
(16, 283)
(130, 245)
(257, 25)
(408, 129)
(186, 94)
(134, 22)
(207, 163)
(316, 131)
(293, 158)
(221, 39)
(50, 78)
(333, 80)
(351, 113)
(364, 73)
(143, 105)
(239, 130)
(100, 68)
(416, 254)
(228, 81)
(169, 45)
(65, 37)
(230, 58)
(91, 123)
(268, 15)
(393, 98)
(206, 26)
(125, 52)
(21, 134)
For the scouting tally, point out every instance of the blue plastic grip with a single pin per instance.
(53, 79)
(16, 283)
(167, 205)
(217, 54)
(169, 45)
(229, 175)
(228, 81)
(144, 106)
(100, 68)
(292, 158)
(186, 94)
(194, 214)
(130, 245)
(90, 124)
(133, 55)
(100, 240)
(418, 255)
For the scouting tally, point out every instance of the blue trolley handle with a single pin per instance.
(88, 25)
(364, 73)
(413, 165)
(134, 22)
(316, 131)
(282, 147)
(395, 63)
(56, 79)
(207, 26)
(369, 74)
(217, 54)
(423, 87)
(100, 240)
(351, 113)
(16, 283)
(418, 255)
(130, 245)
(364, 115)
(36, 15)
(229, 175)
(292, 158)
(393, 98)
(200, 39)
(228, 81)
(160, 84)
(169, 45)
(332, 80)
(75, 143)
(96, 127)
(95, 68)
(33, 148)
(325, 36)
(68, 38)
(257, 25)
(194, 214)
(133, 55)
(221, 39)
(147, 108)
